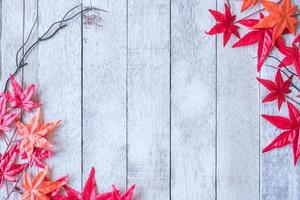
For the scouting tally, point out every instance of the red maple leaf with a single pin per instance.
(6, 118)
(22, 98)
(262, 36)
(291, 130)
(115, 194)
(297, 39)
(278, 89)
(225, 24)
(292, 56)
(8, 167)
(37, 157)
(89, 192)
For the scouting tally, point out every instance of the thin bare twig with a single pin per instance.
(50, 32)
(293, 100)
(26, 41)
(292, 84)
(20, 63)
(17, 182)
(285, 67)
(252, 14)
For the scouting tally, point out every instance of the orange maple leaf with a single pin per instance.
(281, 17)
(34, 134)
(39, 187)
(248, 3)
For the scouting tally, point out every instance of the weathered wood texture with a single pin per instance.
(193, 121)
(59, 65)
(11, 41)
(104, 93)
(148, 98)
(280, 179)
(237, 120)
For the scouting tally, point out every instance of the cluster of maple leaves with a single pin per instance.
(268, 32)
(31, 148)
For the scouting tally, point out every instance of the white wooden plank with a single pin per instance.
(30, 71)
(193, 101)
(104, 93)
(11, 37)
(237, 120)
(149, 98)
(59, 79)
(280, 179)
(11, 40)
(277, 170)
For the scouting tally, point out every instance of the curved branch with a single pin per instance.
(45, 36)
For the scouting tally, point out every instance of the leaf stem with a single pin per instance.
(285, 67)
(11, 140)
(256, 12)
(292, 84)
(250, 15)
(290, 98)
(15, 186)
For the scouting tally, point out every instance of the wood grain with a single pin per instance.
(280, 179)
(193, 102)
(59, 79)
(104, 93)
(149, 98)
(277, 170)
(237, 120)
(11, 39)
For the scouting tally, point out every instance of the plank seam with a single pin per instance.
(126, 174)
(216, 115)
(170, 103)
(23, 40)
(81, 93)
(1, 18)
(259, 143)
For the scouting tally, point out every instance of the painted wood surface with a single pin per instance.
(59, 65)
(193, 124)
(148, 98)
(11, 40)
(104, 93)
(237, 120)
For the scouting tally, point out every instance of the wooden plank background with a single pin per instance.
(148, 98)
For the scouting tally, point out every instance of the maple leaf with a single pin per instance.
(297, 39)
(248, 3)
(278, 89)
(290, 134)
(89, 192)
(37, 157)
(281, 17)
(8, 166)
(225, 24)
(127, 195)
(22, 98)
(292, 57)
(6, 118)
(39, 187)
(262, 36)
(33, 134)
